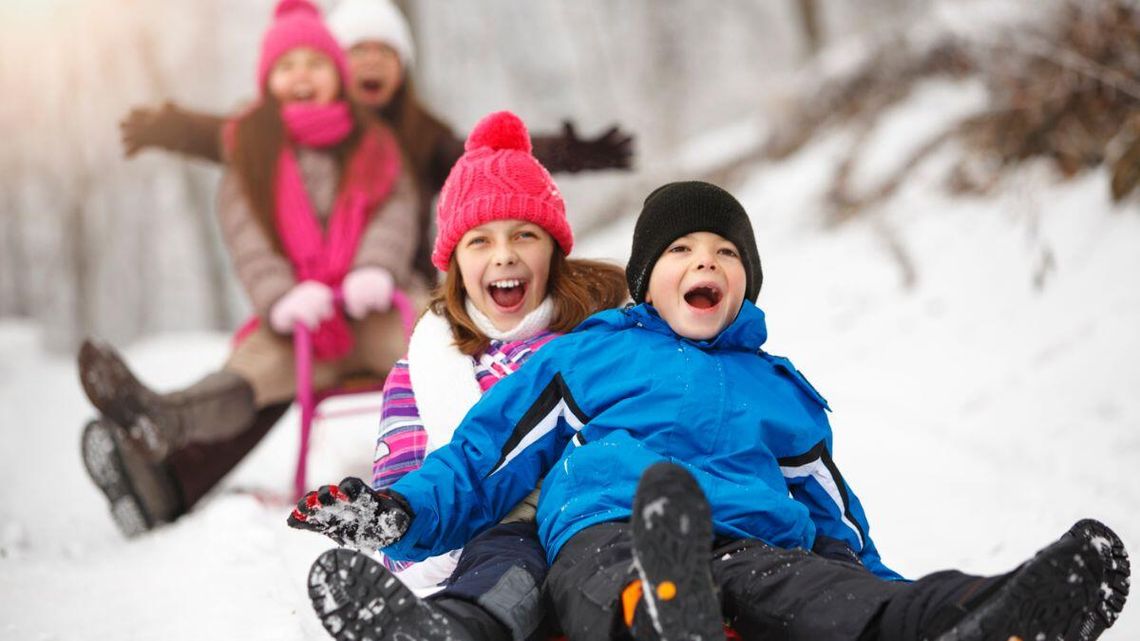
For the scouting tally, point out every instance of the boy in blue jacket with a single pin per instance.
(688, 479)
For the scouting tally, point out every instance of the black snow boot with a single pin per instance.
(672, 544)
(143, 495)
(218, 407)
(1117, 571)
(1055, 596)
(356, 598)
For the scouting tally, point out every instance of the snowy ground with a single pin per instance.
(978, 412)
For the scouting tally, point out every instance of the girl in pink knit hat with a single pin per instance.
(381, 56)
(508, 290)
(314, 200)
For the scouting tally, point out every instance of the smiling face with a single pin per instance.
(376, 73)
(505, 266)
(304, 75)
(697, 285)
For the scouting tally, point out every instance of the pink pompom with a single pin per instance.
(286, 7)
(500, 130)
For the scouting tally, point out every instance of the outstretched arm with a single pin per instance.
(566, 152)
(173, 128)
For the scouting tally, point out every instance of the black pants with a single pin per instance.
(500, 573)
(767, 593)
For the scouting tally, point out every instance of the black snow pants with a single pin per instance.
(766, 593)
(500, 574)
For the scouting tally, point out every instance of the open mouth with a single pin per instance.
(370, 85)
(508, 293)
(303, 95)
(703, 296)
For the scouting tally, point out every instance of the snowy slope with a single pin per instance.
(977, 413)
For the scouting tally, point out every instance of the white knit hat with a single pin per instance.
(356, 21)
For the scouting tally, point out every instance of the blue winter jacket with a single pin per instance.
(596, 407)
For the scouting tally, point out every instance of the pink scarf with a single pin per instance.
(327, 255)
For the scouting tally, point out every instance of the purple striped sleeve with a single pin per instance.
(402, 440)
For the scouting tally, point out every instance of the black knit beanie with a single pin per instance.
(680, 208)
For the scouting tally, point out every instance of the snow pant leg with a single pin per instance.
(773, 594)
(586, 580)
(198, 467)
(933, 604)
(502, 571)
(265, 359)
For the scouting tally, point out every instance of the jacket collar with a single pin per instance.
(746, 333)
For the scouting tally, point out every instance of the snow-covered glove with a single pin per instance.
(309, 302)
(367, 289)
(353, 514)
(611, 150)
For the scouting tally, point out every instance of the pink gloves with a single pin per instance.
(367, 289)
(308, 302)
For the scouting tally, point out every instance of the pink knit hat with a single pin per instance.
(297, 23)
(497, 178)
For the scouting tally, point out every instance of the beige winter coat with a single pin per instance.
(389, 240)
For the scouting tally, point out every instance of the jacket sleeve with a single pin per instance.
(392, 235)
(508, 441)
(402, 440)
(815, 481)
(264, 273)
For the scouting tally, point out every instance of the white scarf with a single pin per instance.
(536, 321)
(443, 378)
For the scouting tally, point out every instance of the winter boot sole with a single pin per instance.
(1114, 591)
(106, 468)
(358, 599)
(1048, 599)
(672, 544)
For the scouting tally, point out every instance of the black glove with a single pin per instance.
(353, 515)
(569, 153)
(172, 128)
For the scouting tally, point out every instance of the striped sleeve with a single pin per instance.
(402, 441)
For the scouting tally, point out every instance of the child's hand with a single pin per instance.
(353, 515)
(309, 303)
(367, 289)
(610, 150)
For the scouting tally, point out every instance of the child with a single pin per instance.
(378, 43)
(313, 200)
(508, 291)
(676, 398)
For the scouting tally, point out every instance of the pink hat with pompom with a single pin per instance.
(497, 178)
(298, 23)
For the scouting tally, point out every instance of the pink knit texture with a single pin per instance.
(298, 23)
(497, 178)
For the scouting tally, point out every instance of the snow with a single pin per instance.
(980, 354)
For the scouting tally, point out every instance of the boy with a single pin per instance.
(675, 398)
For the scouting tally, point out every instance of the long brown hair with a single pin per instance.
(577, 287)
(420, 133)
(259, 138)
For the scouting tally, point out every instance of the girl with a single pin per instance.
(508, 290)
(380, 55)
(314, 199)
